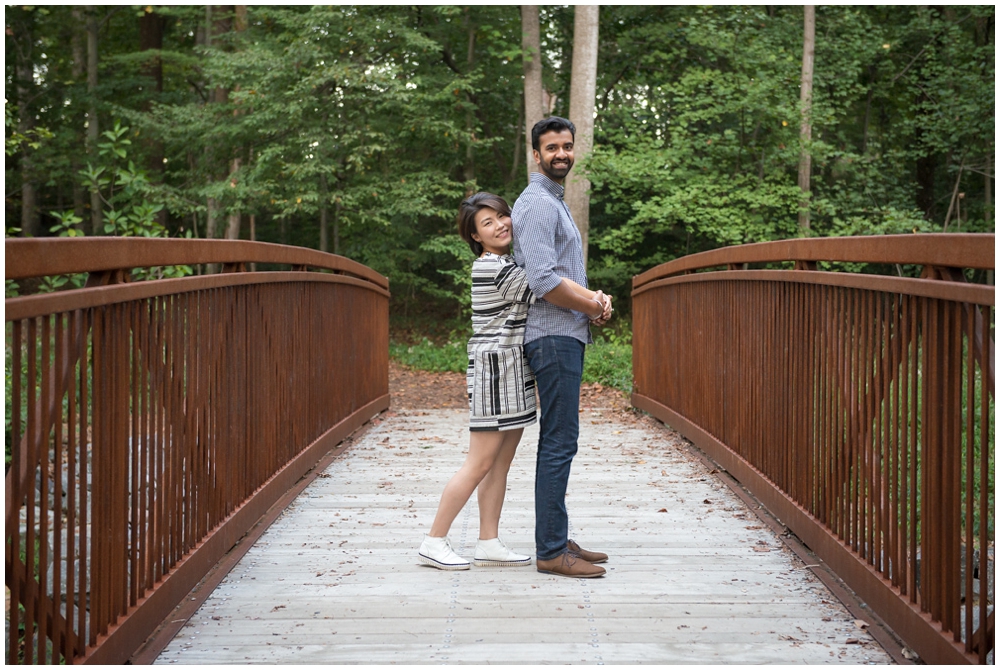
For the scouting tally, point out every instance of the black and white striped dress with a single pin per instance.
(501, 385)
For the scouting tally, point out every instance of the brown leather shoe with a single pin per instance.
(569, 565)
(589, 556)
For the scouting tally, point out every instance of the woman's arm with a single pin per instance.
(579, 290)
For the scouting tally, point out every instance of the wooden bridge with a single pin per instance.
(157, 427)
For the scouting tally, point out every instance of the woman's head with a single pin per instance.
(467, 216)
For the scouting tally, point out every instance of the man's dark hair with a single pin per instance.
(467, 216)
(556, 123)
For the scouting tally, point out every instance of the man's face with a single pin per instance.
(555, 154)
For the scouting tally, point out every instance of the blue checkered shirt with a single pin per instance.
(547, 245)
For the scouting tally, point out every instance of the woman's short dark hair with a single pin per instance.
(467, 216)
(548, 124)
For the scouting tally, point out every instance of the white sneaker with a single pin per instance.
(437, 552)
(496, 554)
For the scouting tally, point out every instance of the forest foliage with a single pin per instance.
(358, 129)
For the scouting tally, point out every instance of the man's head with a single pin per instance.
(552, 145)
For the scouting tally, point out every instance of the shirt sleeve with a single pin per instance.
(512, 282)
(535, 243)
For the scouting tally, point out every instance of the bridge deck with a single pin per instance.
(693, 577)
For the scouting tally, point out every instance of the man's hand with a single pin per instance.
(608, 309)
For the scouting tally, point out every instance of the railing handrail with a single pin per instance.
(959, 250)
(28, 257)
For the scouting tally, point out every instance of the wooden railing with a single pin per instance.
(152, 423)
(857, 408)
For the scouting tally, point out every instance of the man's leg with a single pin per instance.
(558, 365)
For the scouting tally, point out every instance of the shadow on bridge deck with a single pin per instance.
(694, 576)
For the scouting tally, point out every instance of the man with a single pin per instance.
(547, 245)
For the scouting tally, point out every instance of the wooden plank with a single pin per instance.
(336, 579)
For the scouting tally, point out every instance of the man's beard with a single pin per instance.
(558, 172)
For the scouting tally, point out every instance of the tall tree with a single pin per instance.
(531, 49)
(218, 21)
(235, 215)
(151, 26)
(23, 37)
(582, 98)
(78, 42)
(805, 126)
(93, 129)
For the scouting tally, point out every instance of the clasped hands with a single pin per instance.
(605, 316)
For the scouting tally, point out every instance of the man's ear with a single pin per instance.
(537, 156)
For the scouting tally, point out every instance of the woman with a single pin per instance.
(501, 386)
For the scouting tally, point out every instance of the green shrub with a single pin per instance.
(425, 355)
(608, 360)
(609, 363)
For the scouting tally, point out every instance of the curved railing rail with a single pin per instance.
(857, 408)
(152, 423)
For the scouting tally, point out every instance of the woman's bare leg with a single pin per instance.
(493, 488)
(484, 447)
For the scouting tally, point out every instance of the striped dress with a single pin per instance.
(500, 383)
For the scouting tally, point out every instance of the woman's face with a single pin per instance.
(493, 231)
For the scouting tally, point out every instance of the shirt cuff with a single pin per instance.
(545, 284)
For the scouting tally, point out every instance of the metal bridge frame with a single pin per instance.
(853, 406)
(205, 399)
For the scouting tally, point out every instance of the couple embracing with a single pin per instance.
(531, 320)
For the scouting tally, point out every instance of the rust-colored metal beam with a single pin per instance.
(926, 288)
(957, 250)
(28, 307)
(58, 256)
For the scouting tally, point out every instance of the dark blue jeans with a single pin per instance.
(558, 365)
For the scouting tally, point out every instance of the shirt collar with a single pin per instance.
(555, 189)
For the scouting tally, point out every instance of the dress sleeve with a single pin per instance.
(512, 282)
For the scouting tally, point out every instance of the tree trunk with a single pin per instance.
(336, 228)
(93, 130)
(582, 97)
(235, 216)
(470, 128)
(324, 223)
(531, 45)
(78, 44)
(517, 145)
(805, 130)
(151, 27)
(239, 24)
(211, 219)
(25, 123)
(988, 193)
